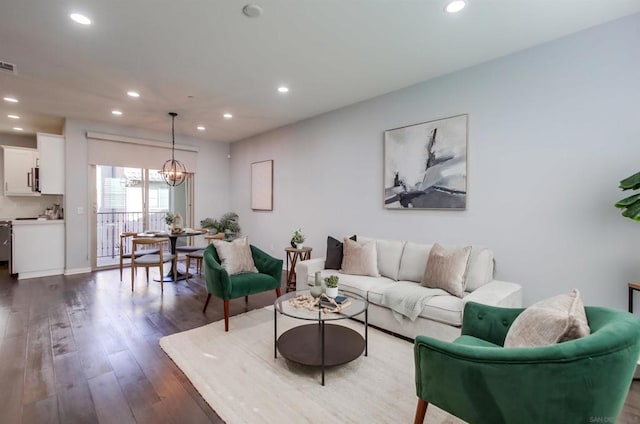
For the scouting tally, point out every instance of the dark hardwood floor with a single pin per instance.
(84, 349)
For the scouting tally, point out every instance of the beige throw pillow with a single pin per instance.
(550, 321)
(446, 269)
(360, 258)
(235, 256)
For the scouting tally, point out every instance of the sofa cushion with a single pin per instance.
(389, 256)
(334, 253)
(360, 258)
(554, 320)
(446, 269)
(414, 261)
(360, 284)
(235, 256)
(445, 309)
(480, 268)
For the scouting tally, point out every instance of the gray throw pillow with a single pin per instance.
(360, 259)
(550, 321)
(235, 256)
(446, 269)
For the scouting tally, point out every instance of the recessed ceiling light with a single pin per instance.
(81, 19)
(116, 112)
(13, 116)
(455, 6)
(200, 128)
(252, 10)
(283, 89)
(133, 94)
(11, 99)
(18, 129)
(227, 116)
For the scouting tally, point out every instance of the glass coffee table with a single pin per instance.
(320, 343)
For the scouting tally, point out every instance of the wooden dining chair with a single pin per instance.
(151, 260)
(198, 254)
(126, 253)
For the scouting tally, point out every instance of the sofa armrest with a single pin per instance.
(497, 293)
(304, 269)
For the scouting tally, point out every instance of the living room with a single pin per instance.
(550, 134)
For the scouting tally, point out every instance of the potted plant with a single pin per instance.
(227, 225)
(631, 204)
(174, 221)
(297, 239)
(332, 285)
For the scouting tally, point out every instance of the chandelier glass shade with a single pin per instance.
(173, 171)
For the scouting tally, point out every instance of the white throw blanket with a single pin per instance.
(408, 300)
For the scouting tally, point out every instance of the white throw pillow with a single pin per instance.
(360, 258)
(446, 269)
(557, 319)
(235, 256)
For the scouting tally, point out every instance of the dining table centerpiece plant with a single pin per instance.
(174, 221)
(227, 225)
(297, 239)
(332, 285)
(630, 205)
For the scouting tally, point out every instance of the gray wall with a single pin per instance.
(551, 132)
(211, 183)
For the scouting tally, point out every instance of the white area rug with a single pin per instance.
(240, 379)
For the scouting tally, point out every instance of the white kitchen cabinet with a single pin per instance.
(38, 248)
(51, 153)
(19, 166)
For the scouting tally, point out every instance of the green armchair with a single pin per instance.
(479, 381)
(226, 287)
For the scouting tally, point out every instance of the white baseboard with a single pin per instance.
(36, 274)
(77, 271)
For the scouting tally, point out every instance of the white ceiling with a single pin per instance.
(331, 53)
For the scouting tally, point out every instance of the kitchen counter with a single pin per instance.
(36, 221)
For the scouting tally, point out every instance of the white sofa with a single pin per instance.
(401, 262)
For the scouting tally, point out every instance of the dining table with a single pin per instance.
(173, 238)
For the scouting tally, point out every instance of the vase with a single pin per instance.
(299, 245)
(331, 292)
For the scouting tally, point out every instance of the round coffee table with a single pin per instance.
(320, 344)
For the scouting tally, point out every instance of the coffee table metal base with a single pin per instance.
(306, 345)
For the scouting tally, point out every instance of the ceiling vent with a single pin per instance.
(8, 67)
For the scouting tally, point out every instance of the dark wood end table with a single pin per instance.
(293, 256)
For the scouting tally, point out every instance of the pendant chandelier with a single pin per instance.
(173, 172)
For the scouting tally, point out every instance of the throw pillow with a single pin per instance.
(550, 321)
(235, 256)
(360, 259)
(446, 269)
(334, 253)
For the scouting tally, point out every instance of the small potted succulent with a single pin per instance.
(298, 239)
(332, 286)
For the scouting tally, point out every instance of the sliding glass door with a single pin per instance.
(135, 200)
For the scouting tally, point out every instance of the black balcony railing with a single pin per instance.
(111, 224)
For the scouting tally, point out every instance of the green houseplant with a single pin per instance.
(630, 205)
(297, 239)
(332, 285)
(227, 224)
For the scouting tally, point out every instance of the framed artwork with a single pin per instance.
(262, 185)
(425, 165)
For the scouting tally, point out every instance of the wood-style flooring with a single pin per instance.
(84, 349)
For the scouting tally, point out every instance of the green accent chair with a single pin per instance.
(227, 287)
(479, 381)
